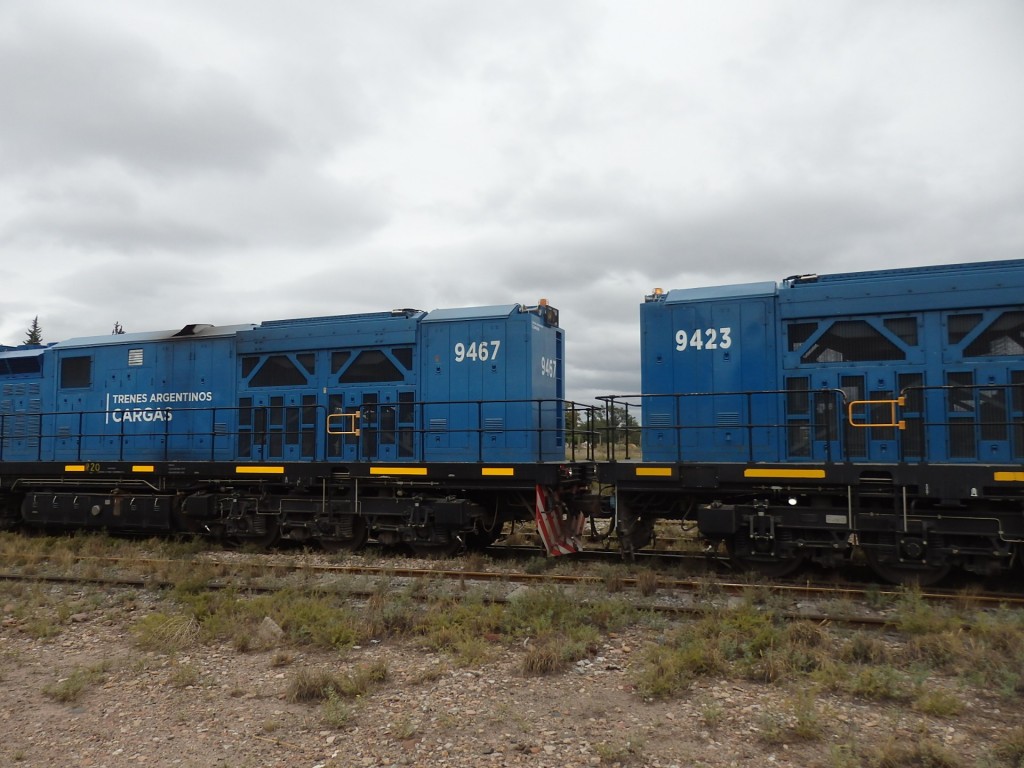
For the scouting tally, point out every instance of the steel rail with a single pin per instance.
(805, 589)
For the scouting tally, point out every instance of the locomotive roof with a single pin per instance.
(721, 292)
(189, 331)
(948, 287)
(910, 288)
(22, 352)
(471, 313)
(938, 270)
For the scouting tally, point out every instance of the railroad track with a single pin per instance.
(818, 602)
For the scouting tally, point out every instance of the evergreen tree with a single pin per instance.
(35, 332)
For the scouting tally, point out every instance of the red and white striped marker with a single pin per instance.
(557, 529)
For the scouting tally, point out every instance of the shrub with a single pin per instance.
(70, 689)
(882, 683)
(915, 616)
(184, 675)
(864, 648)
(165, 633)
(798, 721)
(647, 582)
(1010, 748)
(938, 703)
(923, 753)
(335, 712)
(554, 653)
(319, 684)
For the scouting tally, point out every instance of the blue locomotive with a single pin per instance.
(430, 429)
(791, 422)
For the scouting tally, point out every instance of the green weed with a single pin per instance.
(70, 689)
(938, 703)
(921, 753)
(1009, 749)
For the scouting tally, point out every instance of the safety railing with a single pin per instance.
(555, 429)
(743, 412)
(947, 422)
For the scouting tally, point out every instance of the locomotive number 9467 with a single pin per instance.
(478, 351)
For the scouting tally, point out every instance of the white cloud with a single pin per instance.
(176, 162)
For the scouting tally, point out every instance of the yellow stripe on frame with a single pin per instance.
(1009, 477)
(398, 470)
(807, 474)
(654, 471)
(251, 470)
(498, 471)
(142, 468)
(74, 468)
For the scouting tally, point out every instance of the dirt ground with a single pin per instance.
(217, 706)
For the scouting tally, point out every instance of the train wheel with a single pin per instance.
(263, 534)
(440, 545)
(912, 573)
(479, 540)
(351, 544)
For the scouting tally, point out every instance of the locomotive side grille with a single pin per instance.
(727, 419)
(438, 425)
(660, 420)
(494, 423)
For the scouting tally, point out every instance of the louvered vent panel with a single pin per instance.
(661, 420)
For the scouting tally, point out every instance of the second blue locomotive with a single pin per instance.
(883, 409)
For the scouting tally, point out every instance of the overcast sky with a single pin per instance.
(167, 163)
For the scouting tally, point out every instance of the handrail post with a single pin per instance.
(540, 428)
(479, 430)
(749, 418)
(213, 433)
(678, 425)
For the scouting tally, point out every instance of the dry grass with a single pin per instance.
(72, 687)
(320, 684)
(166, 633)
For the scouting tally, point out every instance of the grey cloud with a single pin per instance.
(75, 93)
(288, 207)
(346, 157)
